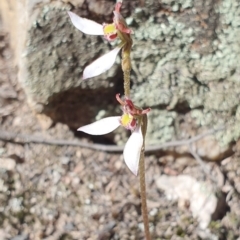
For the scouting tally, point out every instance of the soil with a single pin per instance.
(66, 192)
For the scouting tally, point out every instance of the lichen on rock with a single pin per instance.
(185, 62)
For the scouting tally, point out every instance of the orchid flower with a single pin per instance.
(117, 29)
(131, 119)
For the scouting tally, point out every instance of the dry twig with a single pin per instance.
(26, 139)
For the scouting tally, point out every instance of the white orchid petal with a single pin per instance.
(132, 150)
(85, 25)
(103, 126)
(101, 65)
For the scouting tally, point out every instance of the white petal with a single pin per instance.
(103, 126)
(132, 150)
(101, 65)
(85, 25)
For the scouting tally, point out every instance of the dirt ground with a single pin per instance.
(67, 192)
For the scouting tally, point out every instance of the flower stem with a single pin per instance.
(126, 85)
(143, 196)
(143, 181)
(126, 63)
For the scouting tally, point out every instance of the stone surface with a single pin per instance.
(51, 55)
(185, 63)
(199, 197)
(7, 164)
(96, 188)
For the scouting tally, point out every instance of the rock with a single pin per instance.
(198, 196)
(8, 164)
(45, 121)
(3, 187)
(20, 237)
(7, 92)
(76, 3)
(16, 204)
(65, 160)
(2, 150)
(51, 54)
(185, 63)
(107, 231)
(4, 235)
(210, 149)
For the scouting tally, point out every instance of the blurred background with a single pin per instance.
(185, 66)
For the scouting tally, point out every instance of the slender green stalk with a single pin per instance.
(143, 181)
(126, 61)
(126, 85)
(144, 196)
(126, 67)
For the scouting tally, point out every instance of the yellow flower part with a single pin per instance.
(128, 121)
(109, 29)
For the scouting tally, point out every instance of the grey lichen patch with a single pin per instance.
(191, 57)
(160, 126)
(231, 134)
(177, 4)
